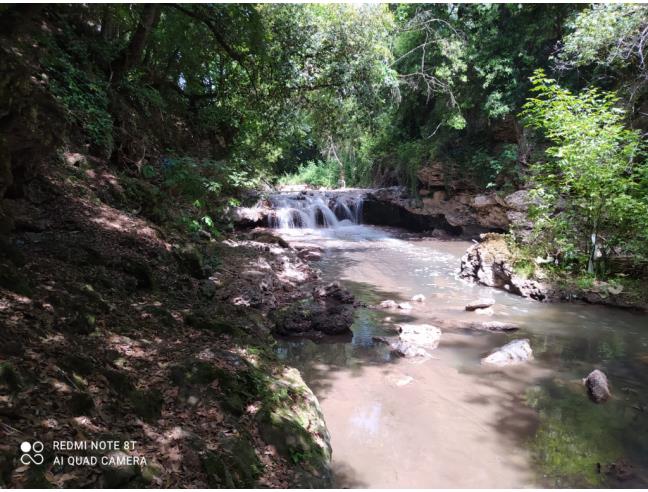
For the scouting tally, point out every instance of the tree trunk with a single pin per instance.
(131, 55)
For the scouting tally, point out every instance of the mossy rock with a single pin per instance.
(235, 466)
(287, 435)
(146, 404)
(11, 279)
(295, 426)
(238, 388)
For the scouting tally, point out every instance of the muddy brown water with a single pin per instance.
(448, 422)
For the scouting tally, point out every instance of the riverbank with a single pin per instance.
(496, 261)
(119, 325)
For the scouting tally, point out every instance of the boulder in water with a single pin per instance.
(482, 303)
(497, 326)
(427, 336)
(597, 386)
(404, 305)
(515, 352)
(418, 298)
(402, 348)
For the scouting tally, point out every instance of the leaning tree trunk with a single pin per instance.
(131, 55)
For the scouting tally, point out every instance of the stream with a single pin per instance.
(448, 421)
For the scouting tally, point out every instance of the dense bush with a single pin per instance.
(592, 188)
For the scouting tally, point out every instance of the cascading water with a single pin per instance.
(310, 210)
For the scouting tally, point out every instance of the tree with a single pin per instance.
(592, 188)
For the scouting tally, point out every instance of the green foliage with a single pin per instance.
(607, 35)
(487, 167)
(84, 97)
(592, 188)
(314, 173)
(463, 72)
(210, 186)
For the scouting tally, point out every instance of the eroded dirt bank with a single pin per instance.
(116, 328)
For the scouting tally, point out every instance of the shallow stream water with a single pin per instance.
(449, 421)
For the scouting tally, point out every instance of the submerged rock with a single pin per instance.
(480, 304)
(413, 340)
(597, 386)
(515, 352)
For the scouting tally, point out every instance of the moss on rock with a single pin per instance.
(235, 465)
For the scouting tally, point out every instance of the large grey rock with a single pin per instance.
(427, 336)
(515, 352)
(597, 386)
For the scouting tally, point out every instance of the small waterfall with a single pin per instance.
(310, 210)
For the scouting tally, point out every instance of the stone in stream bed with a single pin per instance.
(427, 336)
(401, 348)
(405, 306)
(388, 304)
(496, 326)
(480, 304)
(418, 298)
(597, 386)
(485, 311)
(515, 352)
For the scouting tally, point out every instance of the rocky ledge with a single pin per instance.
(491, 262)
(462, 214)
